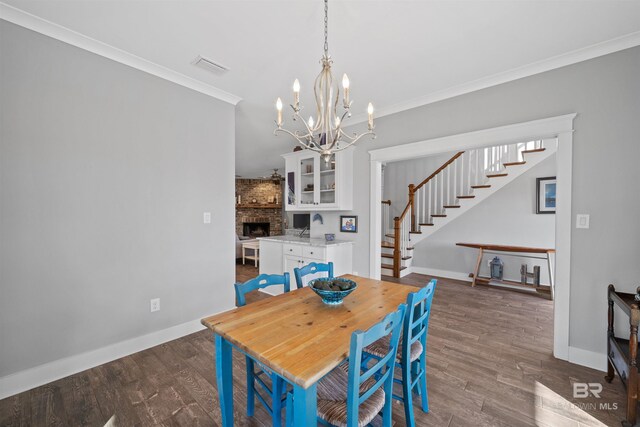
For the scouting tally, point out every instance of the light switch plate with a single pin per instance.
(154, 304)
(582, 221)
(206, 217)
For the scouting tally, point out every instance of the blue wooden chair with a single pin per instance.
(412, 355)
(352, 396)
(311, 268)
(276, 394)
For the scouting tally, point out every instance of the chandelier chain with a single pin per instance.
(326, 26)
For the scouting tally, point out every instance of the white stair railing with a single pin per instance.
(455, 179)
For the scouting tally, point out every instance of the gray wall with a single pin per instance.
(605, 92)
(105, 173)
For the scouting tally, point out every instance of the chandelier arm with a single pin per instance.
(297, 138)
(356, 139)
(306, 125)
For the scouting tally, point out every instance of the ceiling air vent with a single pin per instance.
(210, 65)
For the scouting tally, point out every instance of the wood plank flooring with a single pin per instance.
(489, 364)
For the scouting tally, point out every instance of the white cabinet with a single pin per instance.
(311, 184)
(277, 257)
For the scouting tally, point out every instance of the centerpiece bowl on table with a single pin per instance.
(332, 290)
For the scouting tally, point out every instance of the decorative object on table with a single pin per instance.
(332, 290)
(254, 201)
(318, 217)
(297, 148)
(324, 134)
(348, 223)
(637, 297)
(546, 195)
(329, 237)
(497, 268)
(525, 275)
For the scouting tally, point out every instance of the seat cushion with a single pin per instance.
(380, 348)
(332, 398)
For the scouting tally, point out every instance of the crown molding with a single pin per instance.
(558, 61)
(66, 35)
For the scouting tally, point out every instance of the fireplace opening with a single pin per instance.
(255, 229)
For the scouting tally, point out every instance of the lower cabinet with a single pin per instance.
(278, 257)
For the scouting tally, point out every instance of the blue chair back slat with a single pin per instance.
(391, 324)
(260, 282)
(312, 268)
(416, 323)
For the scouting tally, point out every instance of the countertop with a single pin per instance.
(315, 241)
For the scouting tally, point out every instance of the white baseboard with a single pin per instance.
(43, 374)
(588, 358)
(456, 275)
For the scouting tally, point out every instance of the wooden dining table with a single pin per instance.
(298, 337)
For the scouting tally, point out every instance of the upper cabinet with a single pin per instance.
(311, 184)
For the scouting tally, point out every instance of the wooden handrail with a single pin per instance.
(386, 202)
(430, 177)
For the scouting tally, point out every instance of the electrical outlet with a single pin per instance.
(206, 217)
(155, 304)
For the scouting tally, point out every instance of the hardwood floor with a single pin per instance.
(489, 364)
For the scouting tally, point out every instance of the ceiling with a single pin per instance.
(397, 53)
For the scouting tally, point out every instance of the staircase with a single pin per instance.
(461, 183)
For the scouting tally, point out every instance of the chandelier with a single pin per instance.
(324, 134)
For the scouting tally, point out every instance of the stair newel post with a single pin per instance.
(396, 247)
(412, 193)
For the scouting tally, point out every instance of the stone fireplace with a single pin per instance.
(259, 207)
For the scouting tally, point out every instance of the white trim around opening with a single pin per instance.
(560, 127)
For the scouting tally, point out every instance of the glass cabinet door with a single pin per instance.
(327, 181)
(308, 168)
(290, 197)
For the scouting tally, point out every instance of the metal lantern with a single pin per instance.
(497, 268)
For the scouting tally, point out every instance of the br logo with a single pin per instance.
(583, 390)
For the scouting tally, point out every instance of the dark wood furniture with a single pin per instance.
(622, 354)
(521, 251)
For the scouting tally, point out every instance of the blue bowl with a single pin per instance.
(332, 297)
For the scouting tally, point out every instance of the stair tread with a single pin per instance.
(390, 267)
(439, 216)
(390, 235)
(481, 186)
(387, 245)
(391, 256)
(466, 197)
(496, 175)
(426, 225)
(415, 232)
(514, 163)
(451, 206)
(535, 150)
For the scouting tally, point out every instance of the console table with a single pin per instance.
(622, 354)
(522, 252)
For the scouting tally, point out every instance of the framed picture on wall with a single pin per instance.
(348, 223)
(546, 195)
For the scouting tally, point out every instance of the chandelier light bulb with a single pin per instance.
(337, 121)
(345, 81)
(370, 109)
(279, 108)
(310, 122)
(296, 86)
